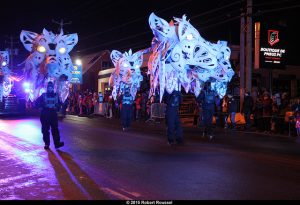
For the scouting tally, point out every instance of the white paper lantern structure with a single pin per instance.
(127, 72)
(49, 60)
(181, 57)
(6, 83)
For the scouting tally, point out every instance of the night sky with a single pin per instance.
(121, 25)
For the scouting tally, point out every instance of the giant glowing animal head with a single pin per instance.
(127, 71)
(49, 58)
(50, 50)
(181, 55)
(187, 43)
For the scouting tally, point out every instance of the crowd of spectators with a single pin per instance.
(260, 111)
(86, 104)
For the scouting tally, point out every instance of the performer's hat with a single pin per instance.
(50, 84)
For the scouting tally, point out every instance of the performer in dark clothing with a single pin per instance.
(49, 103)
(207, 99)
(126, 111)
(174, 128)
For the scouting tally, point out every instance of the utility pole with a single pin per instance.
(61, 24)
(12, 51)
(249, 46)
(242, 59)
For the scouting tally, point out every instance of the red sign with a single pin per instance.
(273, 37)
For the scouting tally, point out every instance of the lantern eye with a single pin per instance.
(62, 50)
(189, 37)
(41, 49)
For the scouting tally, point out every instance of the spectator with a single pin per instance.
(100, 97)
(95, 102)
(267, 111)
(116, 110)
(72, 104)
(275, 116)
(258, 112)
(89, 103)
(225, 110)
(284, 101)
(110, 107)
(296, 106)
(196, 115)
(138, 107)
(297, 122)
(84, 103)
(80, 104)
(64, 107)
(247, 109)
(277, 100)
(148, 109)
(232, 109)
(144, 106)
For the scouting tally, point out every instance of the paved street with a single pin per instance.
(99, 161)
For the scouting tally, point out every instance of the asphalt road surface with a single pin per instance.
(100, 161)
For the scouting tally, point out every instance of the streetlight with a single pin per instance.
(26, 86)
(78, 62)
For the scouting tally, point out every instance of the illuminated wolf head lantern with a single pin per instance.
(127, 72)
(5, 82)
(181, 57)
(49, 60)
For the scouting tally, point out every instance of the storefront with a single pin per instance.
(103, 79)
(271, 69)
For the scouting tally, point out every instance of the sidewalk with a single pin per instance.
(159, 125)
(189, 129)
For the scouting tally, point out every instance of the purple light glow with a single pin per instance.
(25, 129)
(26, 86)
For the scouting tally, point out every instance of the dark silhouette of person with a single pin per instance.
(174, 129)
(126, 111)
(247, 108)
(232, 110)
(49, 103)
(207, 99)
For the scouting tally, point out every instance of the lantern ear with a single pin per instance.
(138, 58)
(115, 56)
(46, 32)
(71, 40)
(27, 38)
(158, 25)
(155, 21)
(186, 31)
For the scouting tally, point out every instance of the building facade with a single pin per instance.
(98, 67)
(93, 64)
